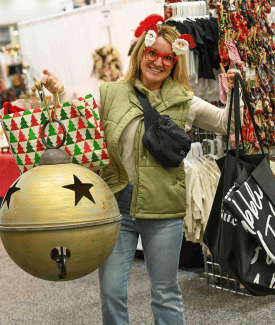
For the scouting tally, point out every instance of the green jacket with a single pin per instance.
(158, 192)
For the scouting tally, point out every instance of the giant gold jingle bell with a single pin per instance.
(59, 221)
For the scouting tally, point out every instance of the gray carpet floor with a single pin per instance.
(26, 300)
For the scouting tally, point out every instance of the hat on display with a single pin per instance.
(148, 21)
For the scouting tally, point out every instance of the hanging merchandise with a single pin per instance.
(107, 64)
(7, 95)
(84, 141)
(202, 175)
(246, 42)
(230, 238)
(2, 78)
(59, 221)
(167, 9)
(203, 59)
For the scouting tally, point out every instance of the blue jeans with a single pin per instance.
(161, 241)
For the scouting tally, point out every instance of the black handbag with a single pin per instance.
(231, 244)
(163, 138)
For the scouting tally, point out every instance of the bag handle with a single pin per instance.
(238, 126)
(38, 85)
(151, 114)
(236, 95)
(250, 112)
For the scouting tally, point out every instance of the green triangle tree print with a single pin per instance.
(63, 115)
(90, 125)
(77, 150)
(12, 138)
(51, 130)
(32, 135)
(29, 148)
(94, 157)
(74, 161)
(23, 124)
(5, 125)
(49, 142)
(19, 161)
(71, 126)
(88, 135)
(27, 112)
(12, 150)
(69, 139)
(96, 146)
(95, 115)
(36, 158)
(43, 118)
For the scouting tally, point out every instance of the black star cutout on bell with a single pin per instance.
(81, 189)
(11, 190)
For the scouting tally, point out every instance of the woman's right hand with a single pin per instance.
(52, 83)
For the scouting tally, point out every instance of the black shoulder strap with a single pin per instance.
(151, 114)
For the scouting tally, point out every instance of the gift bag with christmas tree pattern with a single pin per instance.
(84, 139)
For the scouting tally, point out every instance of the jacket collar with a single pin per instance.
(171, 94)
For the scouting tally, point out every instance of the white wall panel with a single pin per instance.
(64, 43)
(13, 11)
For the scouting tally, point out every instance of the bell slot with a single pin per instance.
(60, 255)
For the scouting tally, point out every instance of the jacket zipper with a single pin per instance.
(136, 179)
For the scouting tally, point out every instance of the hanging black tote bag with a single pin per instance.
(231, 245)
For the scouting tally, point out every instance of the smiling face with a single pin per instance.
(153, 73)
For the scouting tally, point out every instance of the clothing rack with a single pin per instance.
(203, 60)
(182, 10)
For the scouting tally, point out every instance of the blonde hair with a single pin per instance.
(179, 71)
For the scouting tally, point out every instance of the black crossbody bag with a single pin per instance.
(163, 138)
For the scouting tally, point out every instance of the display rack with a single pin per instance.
(217, 278)
(214, 275)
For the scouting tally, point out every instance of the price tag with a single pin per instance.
(105, 18)
(249, 74)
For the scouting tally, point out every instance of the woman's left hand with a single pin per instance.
(231, 77)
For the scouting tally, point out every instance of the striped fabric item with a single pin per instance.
(234, 54)
(223, 87)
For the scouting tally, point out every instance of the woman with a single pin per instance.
(151, 198)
